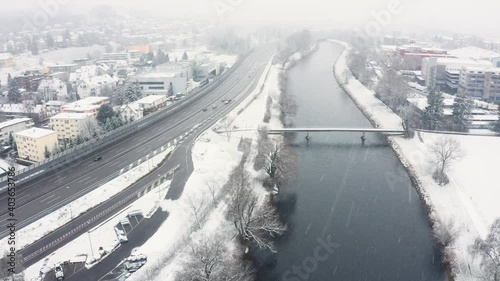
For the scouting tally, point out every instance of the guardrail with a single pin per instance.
(84, 149)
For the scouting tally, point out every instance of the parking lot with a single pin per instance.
(128, 223)
(117, 274)
(69, 270)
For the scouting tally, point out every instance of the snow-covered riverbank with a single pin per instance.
(468, 202)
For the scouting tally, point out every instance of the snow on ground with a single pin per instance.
(214, 157)
(102, 235)
(470, 200)
(60, 217)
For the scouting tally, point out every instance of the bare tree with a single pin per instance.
(227, 124)
(195, 206)
(446, 234)
(408, 118)
(213, 185)
(280, 163)
(90, 128)
(489, 251)
(209, 260)
(445, 151)
(255, 222)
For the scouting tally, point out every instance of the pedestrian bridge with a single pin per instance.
(349, 130)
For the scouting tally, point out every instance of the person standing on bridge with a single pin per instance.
(363, 139)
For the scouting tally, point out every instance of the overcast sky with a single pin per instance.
(479, 16)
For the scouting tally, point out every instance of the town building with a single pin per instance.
(87, 105)
(7, 60)
(412, 55)
(444, 72)
(30, 80)
(160, 83)
(13, 126)
(71, 125)
(53, 89)
(184, 67)
(140, 108)
(31, 143)
(480, 82)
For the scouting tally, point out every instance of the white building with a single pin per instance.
(53, 89)
(445, 71)
(31, 143)
(93, 87)
(481, 83)
(71, 125)
(13, 126)
(131, 111)
(140, 108)
(159, 83)
(176, 67)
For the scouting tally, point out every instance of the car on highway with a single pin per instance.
(97, 158)
(204, 109)
(214, 106)
(58, 270)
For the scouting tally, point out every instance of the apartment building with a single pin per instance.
(87, 105)
(159, 83)
(70, 125)
(31, 143)
(480, 82)
(13, 126)
(30, 80)
(444, 72)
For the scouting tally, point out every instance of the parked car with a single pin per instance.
(58, 270)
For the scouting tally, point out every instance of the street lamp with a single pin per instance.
(90, 242)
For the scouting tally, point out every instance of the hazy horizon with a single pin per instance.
(446, 15)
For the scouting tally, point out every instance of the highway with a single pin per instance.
(41, 194)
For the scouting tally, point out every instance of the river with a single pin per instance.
(352, 212)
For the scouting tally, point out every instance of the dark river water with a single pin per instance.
(352, 212)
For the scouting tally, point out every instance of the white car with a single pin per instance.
(58, 270)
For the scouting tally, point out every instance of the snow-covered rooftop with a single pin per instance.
(86, 102)
(13, 122)
(474, 53)
(71, 115)
(151, 99)
(163, 74)
(35, 133)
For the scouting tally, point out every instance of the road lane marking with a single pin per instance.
(84, 179)
(47, 198)
(55, 199)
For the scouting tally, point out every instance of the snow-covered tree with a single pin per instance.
(13, 94)
(105, 112)
(46, 153)
(279, 162)
(462, 109)
(132, 93)
(444, 152)
(209, 260)
(434, 112)
(171, 89)
(185, 56)
(489, 251)
(256, 221)
(392, 89)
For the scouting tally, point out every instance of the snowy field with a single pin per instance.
(214, 157)
(469, 201)
(60, 217)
